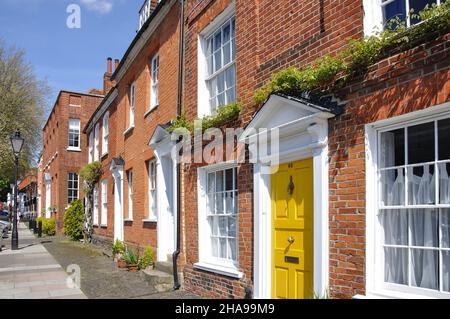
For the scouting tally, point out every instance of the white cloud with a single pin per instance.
(100, 6)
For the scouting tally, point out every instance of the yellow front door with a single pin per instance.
(292, 230)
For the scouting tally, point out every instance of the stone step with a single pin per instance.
(165, 266)
(162, 281)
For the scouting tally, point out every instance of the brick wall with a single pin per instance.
(56, 141)
(133, 147)
(399, 84)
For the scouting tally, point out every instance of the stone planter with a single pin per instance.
(121, 263)
(133, 268)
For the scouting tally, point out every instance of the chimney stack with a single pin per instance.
(109, 65)
(116, 64)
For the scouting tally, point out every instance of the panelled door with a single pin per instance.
(292, 230)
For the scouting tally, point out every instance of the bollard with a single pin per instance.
(40, 229)
(35, 228)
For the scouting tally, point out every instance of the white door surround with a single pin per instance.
(166, 192)
(303, 133)
(48, 194)
(117, 172)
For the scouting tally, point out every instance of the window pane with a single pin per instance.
(446, 270)
(229, 200)
(444, 139)
(215, 247)
(217, 40)
(444, 183)
(211, 182)
(229, 179)
(209, 65)
(219, 181)
(232, 227)
(221, 99)
(396, 265)
(421, 185)
(223, 248)
(424, 228)
(214, 224)
(418, 5)
(226, 33)
(392, 148)
(232, 248)
(395, 226)
(421, 143)
(231, 77)
(221, 83)
(425, 265)
(223, 226)
(445, 228)
(394, 9)
(219, 203)
(392, 187)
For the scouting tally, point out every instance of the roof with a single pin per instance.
(324, 103)
(70, 92)
(138, 35)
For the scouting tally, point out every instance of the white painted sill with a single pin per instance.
(226, 271)
(128, 220)
(128, 130)
(390, 295)
(103, 226)
(150, 220)
(151, 110)
(73, 149)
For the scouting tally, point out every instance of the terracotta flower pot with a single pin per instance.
(121, 263)
(133, 268)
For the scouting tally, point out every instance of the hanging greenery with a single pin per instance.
(223, 115)
(333, 72)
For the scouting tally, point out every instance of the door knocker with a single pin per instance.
(291, 186)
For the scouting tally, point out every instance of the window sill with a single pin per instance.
(150, 220)
(222, 270)
(104, 156)
(128, 130)
(73, 149)
(95, 225)
(128, 220)
(103, 226)
(152, 109)
(391, 295)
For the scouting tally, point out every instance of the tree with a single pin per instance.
(23, 104)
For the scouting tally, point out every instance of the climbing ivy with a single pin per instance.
(333, 72)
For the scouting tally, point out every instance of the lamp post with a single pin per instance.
(17, 144)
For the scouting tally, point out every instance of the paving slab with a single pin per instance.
(31, 272)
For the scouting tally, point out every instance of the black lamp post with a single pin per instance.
(17, 144)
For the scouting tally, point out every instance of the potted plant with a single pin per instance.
(147, 259)
(131, 260)
(118, 250)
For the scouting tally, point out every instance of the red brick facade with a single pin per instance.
(133, 145)
(57, 160)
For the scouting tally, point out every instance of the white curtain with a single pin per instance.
(444, 184)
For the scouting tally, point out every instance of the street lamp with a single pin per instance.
(17, 144)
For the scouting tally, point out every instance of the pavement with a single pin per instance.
(31, 272)
(100, 277)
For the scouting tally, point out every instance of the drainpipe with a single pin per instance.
(176, 253)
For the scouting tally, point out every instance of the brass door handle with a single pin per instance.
(291, 239)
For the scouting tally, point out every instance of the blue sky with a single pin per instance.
(72, 59)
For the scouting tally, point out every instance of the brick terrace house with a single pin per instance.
(64, 152)
(126, 204)
(333, 217)
(29, 188)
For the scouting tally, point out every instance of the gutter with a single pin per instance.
(176, 253)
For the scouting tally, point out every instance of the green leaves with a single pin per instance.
(146, 259)
(74, 220)
(330, 72)
(91, 174)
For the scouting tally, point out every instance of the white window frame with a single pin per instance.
(206, 261)
(373, 15)
(375, 285)
(105, 134)
(91, 146)
(132, 100)
(74, 123)
(96, 199)
(104, 220)
(69, 180)
(204, 108)
(130, 194)
(154, 82)
(152, 191)
(97, 142)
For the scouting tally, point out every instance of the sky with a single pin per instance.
(69, 58)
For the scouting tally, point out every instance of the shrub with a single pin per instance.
(118, 248)
(146, 259)
(73, 220)
(130, 257)
(48, 226)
